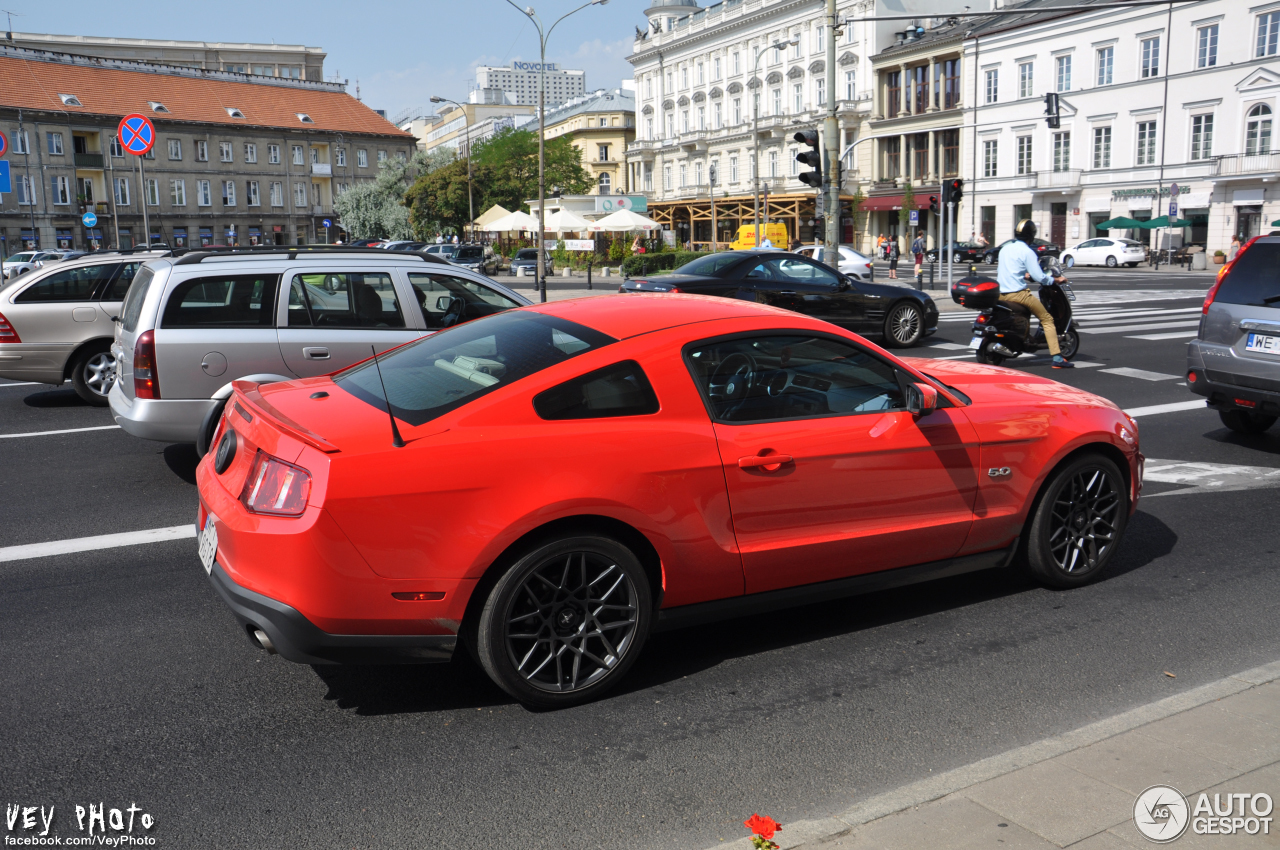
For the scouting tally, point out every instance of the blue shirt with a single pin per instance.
(1018, 258)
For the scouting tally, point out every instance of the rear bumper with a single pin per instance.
(168, 420)
(1224, 386)
(299, 640)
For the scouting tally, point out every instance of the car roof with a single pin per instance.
(623, 316)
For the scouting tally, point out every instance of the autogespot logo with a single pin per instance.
(1161, 813)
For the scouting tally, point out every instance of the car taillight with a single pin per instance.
(675, 289)
(276, 487)
(146, 380)
(1222, 275)
(7, 333)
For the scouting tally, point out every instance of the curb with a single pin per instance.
(810, 833)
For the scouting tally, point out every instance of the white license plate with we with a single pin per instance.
(1265, 343)
(208, 543)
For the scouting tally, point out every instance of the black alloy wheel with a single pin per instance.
(904, 326)
(1069, 343)
(1078, 522)
(566, 621)
(1246, 421)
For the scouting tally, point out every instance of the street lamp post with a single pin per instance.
(755, 123)
(539, 271)
(466, 129)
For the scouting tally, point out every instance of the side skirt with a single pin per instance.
(789, 597)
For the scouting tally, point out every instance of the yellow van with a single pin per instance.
(774, 231)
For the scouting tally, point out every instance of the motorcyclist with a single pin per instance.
(1018, 265)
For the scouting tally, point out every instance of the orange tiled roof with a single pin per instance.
(33, 84)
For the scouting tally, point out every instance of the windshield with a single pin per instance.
(527, 254)
(468, 254)
(22, 257)
(710, 264)
(1129, 242)
(440, 373)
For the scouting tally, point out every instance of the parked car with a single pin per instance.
(55, 323)
(444, 249)
(957, 252)
(527, 258)
(1234, 360)
(24, 261)
(1043, 247)
(1104, 252)
(577, 475)
(193, 324)
(365, 243)
(477, 258)
(852, 263)
(403, 245)
(903, 315)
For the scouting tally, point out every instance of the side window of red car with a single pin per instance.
(618, 390)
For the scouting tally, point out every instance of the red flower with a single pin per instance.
(763, 827)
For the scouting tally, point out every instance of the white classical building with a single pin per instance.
(1150, 98)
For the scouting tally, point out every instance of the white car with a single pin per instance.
(851, 262)
(1104, 251)
(24, 261)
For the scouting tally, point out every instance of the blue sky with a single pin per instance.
(401, 52)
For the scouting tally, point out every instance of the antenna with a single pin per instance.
(396, 439)
(9, 34)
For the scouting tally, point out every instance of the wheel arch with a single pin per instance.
(1106, 449)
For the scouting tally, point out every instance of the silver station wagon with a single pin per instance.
(192, 325)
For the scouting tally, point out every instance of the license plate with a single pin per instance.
(208, 543)
(975, 343)
(1264, 343)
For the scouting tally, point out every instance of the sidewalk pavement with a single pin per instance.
(1079, 789)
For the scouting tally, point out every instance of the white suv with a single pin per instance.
(193, 324)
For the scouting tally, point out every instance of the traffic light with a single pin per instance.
(1051, 109)
(952, 191)
(933, 204)
(811, 158)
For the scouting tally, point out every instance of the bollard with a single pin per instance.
(588, 274)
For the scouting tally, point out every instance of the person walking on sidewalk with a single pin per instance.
(893, 252)
(1018, 265)
(917, 248)
(1234, 249)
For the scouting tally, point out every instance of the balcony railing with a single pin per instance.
(88, 160)
(321, 169)
(1069, 179)
(1241, 163)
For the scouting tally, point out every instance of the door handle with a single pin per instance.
(316, 353)
(766, 462)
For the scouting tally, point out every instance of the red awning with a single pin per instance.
(878, 203)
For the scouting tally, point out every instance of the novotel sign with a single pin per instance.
(535, 66)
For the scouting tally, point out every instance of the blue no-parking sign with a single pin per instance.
(89, 219)
(136, 133)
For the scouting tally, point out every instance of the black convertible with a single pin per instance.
(782, 279)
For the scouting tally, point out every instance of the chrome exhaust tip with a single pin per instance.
(263, 640)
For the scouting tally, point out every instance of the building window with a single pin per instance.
(55, 143)
(950, 142)
(202, 151)
(1147, 143)
(603, 150)
(989, 157)
(950, 90)
(277, 194)
(820, 92)
(892, 158)
(697, 174)
(684, 77)
(737, 111)
(362, 158)
(298, 158)
(1150, 57)
(684, 121)
(1257, 133)
(1268, 34)
(252, 198)
(273, 154)
(1201, 136)
(1101, 147)
(850, 84)
(250, 152)
(715, 68)
(1061, 151)
(777, 101)
(819, 40)
(22, 143)
(204, 193)
(1024, 155)
(315, 156)
(682, 175)
(797, 94)
(340, 157)
(175, 149)
(666, 177)
(1207, 46)
(61, 190)
(733, 169)
(993, 85)
(773, 163)
(1106, 63)
(737, 63)
(793, 163)
(715, 111)
(299, 194)
(315, 193)
(1064, 73)
(382, 157)
(178, 193)
(153, 192)
(26, 195)
(228, 193)
(702, 118)
(1026, 79)
(122, 191)
(700, 80)
(224, 152)
(604, 184)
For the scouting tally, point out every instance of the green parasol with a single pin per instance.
(1119, 223)
(1275, 224)
(1163, 221)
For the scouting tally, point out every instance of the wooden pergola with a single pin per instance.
(736, 210)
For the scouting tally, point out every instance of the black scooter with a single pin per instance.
(1003, 330)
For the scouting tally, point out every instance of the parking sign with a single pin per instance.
(915, 217)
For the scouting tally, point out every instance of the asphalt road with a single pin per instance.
(125, 679)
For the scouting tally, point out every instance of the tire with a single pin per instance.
(989, 259)
(930, 258)
(986, 355)
(1069, 262)
(1078, 522)
(1069, 342)
(1246, 421)
(93, 374)
(956, 259)
(548, 583)
(904, 326)
(1111, 262)
(204, 437)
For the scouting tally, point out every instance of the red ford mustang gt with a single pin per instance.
(560, 481)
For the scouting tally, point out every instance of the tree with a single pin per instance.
(908, 204)
(438, 199)
(511, 160)
(376, 209)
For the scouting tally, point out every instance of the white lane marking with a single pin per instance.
(954, 357)
(947, 346)
(101, 541)
(1086, 364)
(64, 431)
(1175, 335)
(1153, 409)
(1141, 374)
(1154, 326)
(1137, 315)
(1130, 321)
(21, 384)
(1209, 477)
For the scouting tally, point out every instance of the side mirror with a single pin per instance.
(922, 400)
(443, 302)
(845, 283)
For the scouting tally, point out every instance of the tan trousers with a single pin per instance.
(1032, 303)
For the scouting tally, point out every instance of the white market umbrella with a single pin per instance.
(515, 221)
(494, 213)
(563, 220)
(624, 220)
